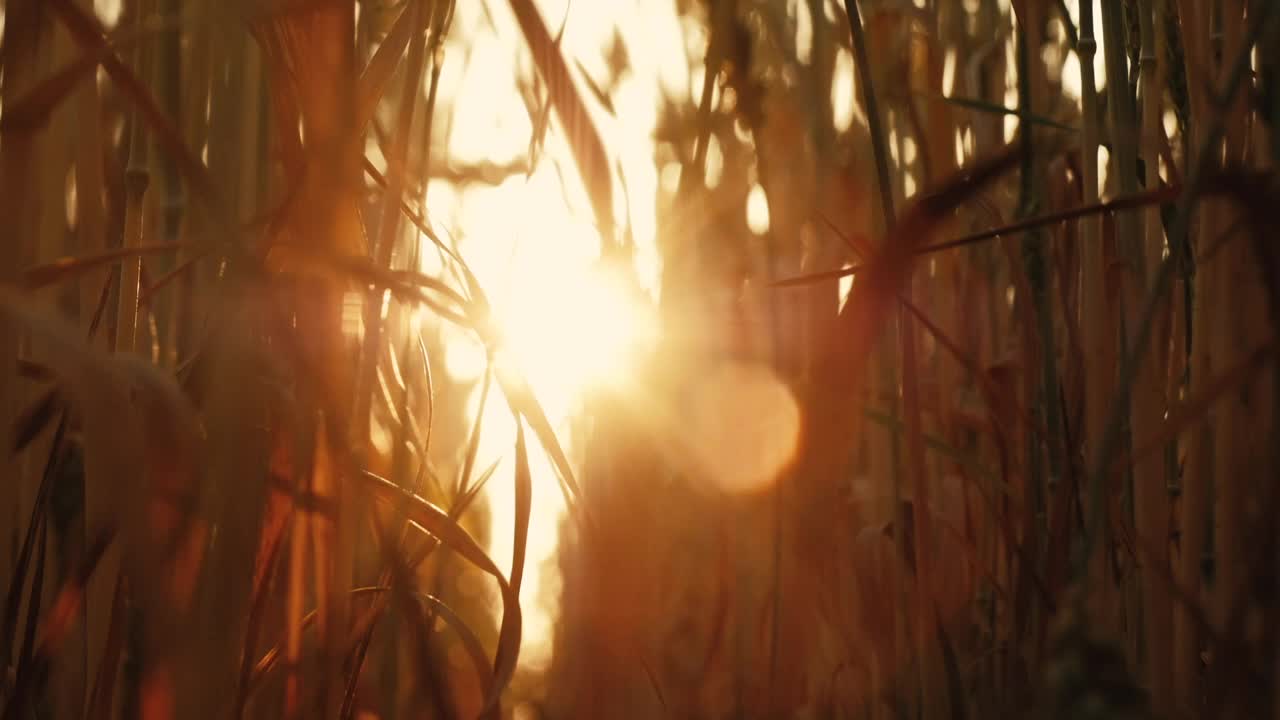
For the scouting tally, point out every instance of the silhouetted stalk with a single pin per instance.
(90, 213)
(933, 694)
(1095, 318)
(1235, 73)
(1195, 515)
(1045, 475)
(1151, 499)
(20, 164)
(1128, 243)
(1236, 305)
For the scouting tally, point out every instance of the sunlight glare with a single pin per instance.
(564, 320)
(575, 333)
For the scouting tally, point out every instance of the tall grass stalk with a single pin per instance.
(1151, 497)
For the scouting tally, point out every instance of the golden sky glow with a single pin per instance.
(532, 242)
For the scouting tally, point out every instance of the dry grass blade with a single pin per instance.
(1128, 202)
(470, 643)
(584, 140)
(32, 110)
(523, 503)
(542, 121)
(988, 107)
(525, 404)
(67, 268)
(437, 523)
(414, 217)
(865, 311)
(471, 492)
(373, 81)
(182, 268)
(462, 488)
(274, 532)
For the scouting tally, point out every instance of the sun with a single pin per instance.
(573, 329)
(564, 319)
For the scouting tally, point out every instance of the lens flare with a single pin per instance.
(744, 427)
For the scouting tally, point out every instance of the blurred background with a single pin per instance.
(652, 358)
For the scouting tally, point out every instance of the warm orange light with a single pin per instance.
(567, 324)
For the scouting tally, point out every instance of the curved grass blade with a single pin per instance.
(472, 491)
(473, 443)
(544, 113)
(373, 81)
(1128, 202)
(470, 641)
(434, 521)
(524, 403)
(417, 219)
(600, 95)
(523, 506)
(584, 140)
(32, 111)
(65, 268)
(178, 271)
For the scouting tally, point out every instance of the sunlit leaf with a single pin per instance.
(525, 403)
(523, 502)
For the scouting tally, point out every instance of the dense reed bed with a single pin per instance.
(903, 359)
